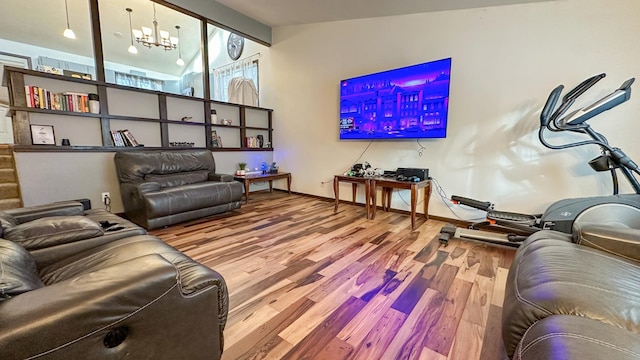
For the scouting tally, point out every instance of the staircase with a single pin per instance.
(9, 188)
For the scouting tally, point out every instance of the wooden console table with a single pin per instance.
(248, 179)
(388, 184)
(354, 180)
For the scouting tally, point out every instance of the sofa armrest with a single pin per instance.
(221, 177)
(622, 242)
(63, 208)
(72, 318)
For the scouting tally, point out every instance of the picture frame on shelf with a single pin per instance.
(215, 140)
(42, 135)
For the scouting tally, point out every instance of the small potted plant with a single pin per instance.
(242, 167)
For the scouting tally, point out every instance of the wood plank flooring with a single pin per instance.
(307, 283)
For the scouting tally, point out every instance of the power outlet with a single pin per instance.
(105, 196)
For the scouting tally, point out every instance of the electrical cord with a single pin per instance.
(421, 149)
(445, 200)
(359, 157)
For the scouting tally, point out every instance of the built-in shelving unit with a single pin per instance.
(155, 118)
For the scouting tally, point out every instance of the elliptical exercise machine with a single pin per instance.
(621, 210)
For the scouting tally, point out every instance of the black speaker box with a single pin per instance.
(422, 174)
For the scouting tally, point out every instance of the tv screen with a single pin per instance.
(406, 103)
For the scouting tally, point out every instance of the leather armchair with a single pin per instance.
(135, 298)
(161, 188)
(574, 297)
(58, 230)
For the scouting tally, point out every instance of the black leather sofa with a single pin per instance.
(574, 296)
(161, 188)
(81, 293)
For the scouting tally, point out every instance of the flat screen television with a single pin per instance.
(405, 103)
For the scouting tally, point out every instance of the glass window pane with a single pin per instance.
(161, 55)
(232, 80)
(36, 29)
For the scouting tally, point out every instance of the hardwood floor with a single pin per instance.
(307, 283)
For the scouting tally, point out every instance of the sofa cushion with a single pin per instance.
(190, 197)
(51, 231)
(18, 273)
(178, 179)
(575, 337)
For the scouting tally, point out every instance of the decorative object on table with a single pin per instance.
(214, 116)
(273, 169)
(94, 103)
(235, 45)
(65, 142)
(242, 170)
(264, 167)
(42, 135)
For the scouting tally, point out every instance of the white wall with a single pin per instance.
(505, 61)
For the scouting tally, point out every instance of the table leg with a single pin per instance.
(336, 190)
(389, 193)
(289, 183)
(427, 196)
(367, 195)
(354, 187)
(246, 191)
(372, 194)
(384, 198)
(414, 200)
(270, 186)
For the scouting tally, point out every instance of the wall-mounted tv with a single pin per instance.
(406, 103)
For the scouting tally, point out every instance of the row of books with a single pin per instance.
(41, 98)
(123, 138)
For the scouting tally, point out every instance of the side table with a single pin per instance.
(354, 180)
(388, 184)
(248, 179)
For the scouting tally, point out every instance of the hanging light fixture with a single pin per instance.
(68, 33)
(132, 48)
(155, 37)
(180, 62)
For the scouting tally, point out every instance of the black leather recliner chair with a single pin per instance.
(160, 187)
(133, 297)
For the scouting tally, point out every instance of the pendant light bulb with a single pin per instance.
(133, 49)
(69, 34)
(180, 62)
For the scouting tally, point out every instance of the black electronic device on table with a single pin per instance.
(421, 174)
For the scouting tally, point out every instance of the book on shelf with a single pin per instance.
(41, 98)
(122, 138)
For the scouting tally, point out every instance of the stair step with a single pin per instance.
(7, 176)
(8, 191)
(6, 162)
(12, 203)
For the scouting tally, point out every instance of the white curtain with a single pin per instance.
(247, 68)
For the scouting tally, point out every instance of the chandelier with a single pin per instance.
(154, 37)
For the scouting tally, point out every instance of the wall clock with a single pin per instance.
(235, 44)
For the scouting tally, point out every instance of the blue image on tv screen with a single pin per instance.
(405, 103)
